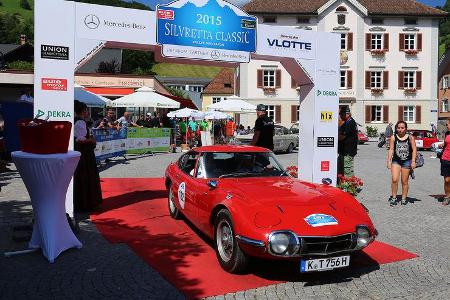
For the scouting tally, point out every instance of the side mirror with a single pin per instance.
(326, 181)
(212, 184)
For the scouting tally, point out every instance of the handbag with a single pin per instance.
(419, 160)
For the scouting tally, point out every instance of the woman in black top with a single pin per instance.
(87, 192)
(401, 159)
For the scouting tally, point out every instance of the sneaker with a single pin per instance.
(446, 201)
(404, 201)
(392, 201)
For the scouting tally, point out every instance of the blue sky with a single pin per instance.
(152, 3)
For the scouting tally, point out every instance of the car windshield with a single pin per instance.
(241, 164)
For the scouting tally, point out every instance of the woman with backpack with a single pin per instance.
(445, 165)
(401, 159)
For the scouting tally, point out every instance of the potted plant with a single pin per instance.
(377, 91)
(410, 90)
(269, 90)
(378, 52)
(352, 185)
(411, 52)
(292, 171)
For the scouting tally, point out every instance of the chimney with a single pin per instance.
(23, 39)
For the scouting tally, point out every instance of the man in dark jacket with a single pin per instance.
(264, 129)
(348, 143)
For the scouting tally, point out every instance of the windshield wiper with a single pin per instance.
(237, 174)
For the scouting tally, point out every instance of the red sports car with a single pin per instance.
(241, 197)
(362, 137)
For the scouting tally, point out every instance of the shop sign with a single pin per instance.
(326, 93)
(53, 84)
(325, 166)
(215, 27)
(326, 116)
(325, 141)
(53, 114)
(54, 52)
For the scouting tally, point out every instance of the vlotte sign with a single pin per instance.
(210, 30)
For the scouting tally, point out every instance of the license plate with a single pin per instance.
(324, 264)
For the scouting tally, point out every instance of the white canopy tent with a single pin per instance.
(234, 105)
(91, 99)
(186, 113)
(215, 115)
(145, 97)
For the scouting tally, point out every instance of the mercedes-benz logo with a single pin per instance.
(91, 21)
(215, 54)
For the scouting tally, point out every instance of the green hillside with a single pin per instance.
(180, 70)
(13, 7)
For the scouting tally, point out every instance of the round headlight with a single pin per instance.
(283, 243)
(363, 235)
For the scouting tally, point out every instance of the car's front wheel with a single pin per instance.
(230, 256)
(173, 210)
(290, 148)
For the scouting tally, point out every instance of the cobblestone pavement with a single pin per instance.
(103, 270)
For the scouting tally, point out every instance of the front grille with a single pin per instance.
(327, 245)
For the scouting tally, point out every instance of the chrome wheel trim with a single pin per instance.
(172, 206)
(225, 240)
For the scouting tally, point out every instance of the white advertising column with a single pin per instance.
(54, 54)
(325, 110)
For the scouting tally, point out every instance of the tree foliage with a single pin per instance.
(177, 92)
(444, 26)
(110, 67)
(25, 4)
(12, 26)
(118, 3)
(137, 62)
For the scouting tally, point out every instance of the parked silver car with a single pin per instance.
(283, 140)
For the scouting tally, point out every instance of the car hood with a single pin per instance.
(288, 204)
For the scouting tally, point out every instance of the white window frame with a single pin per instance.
(409, 114)
(444, 107)
(446, 82)
(269, 78)
(196, 88)
(376, 41)
(343, 41)
(218, 99)
(377, 113)
(376, 79)
(410, 41)
(343, 79)
(409, 79)
(271, 111)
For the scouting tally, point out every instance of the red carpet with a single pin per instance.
(135, 212)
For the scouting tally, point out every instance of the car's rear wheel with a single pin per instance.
(230, 256)
(173, 210)
(290, 148)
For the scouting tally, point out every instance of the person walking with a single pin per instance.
(264, 129)
(347, 143)
(433, 128)
(401, 159)
(445, 165)
(230, 127)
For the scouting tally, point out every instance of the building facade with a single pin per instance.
(444, 86)
(389, 58)
(219, 89)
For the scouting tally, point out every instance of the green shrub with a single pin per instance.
(372, 131)
(20, 65)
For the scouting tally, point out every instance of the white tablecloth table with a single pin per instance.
(47, 178)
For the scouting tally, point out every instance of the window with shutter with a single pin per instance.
(385, 80)
(349, 79)
(368, 113)
(401, 82)
(350, 41)
(294, 113)
(367, 80)
(401, 41)
(385, 113)
(418, 80)
(418, 114)
(259, 83)
(419, 42)
(386, 41)
(277, 113)
(278, 79)
(400, 113)
(368, 41)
